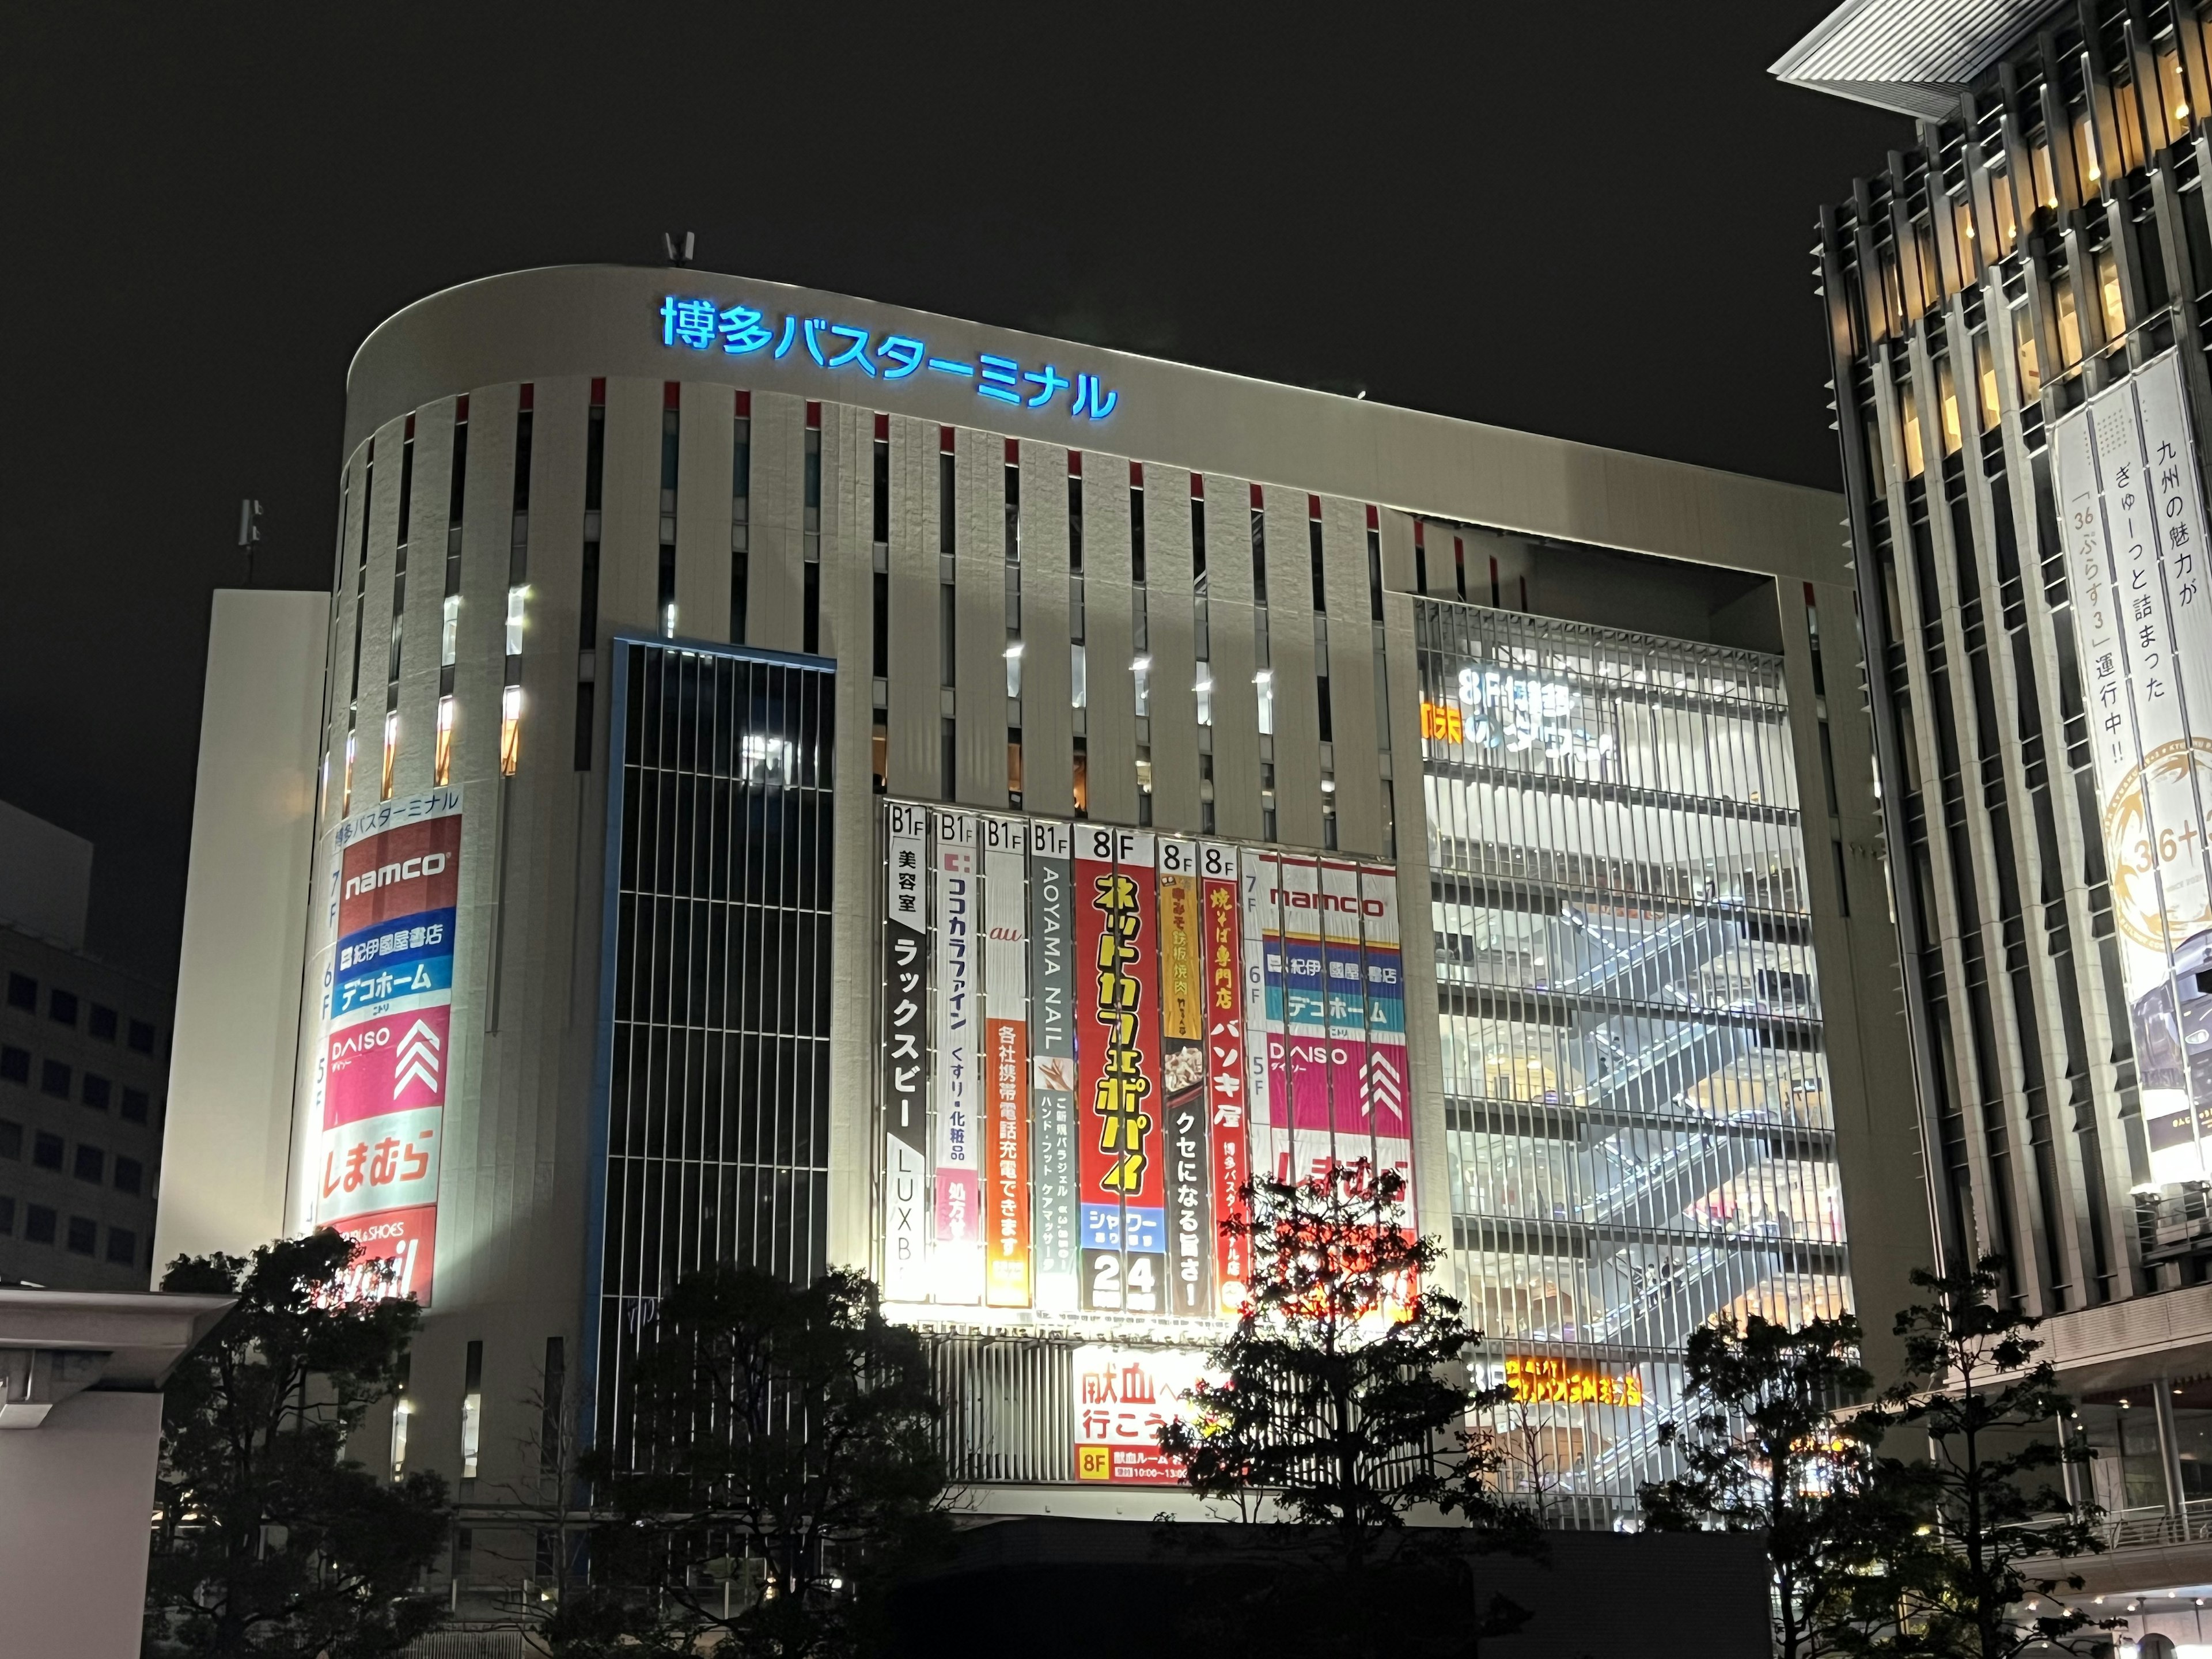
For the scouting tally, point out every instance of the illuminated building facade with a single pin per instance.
(808, 782)
(2017, 311)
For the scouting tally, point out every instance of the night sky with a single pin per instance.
(1601, 233)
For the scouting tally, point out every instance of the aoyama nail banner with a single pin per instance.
(1052, 1041)
(906, 1054)
(2123, 470)
(1117, 1048)
(1227, 1078)
(388, 1036)
(1182, 1071)
(956, 1237)
(1006, 1063)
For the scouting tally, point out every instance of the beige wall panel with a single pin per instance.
(344, 619)
(703, 512)
(629, 510)
(916, 675)
(1230, 628)
(1400, 571)
(1290, 647)
(1111, 716)
(426, 576)
(1170, 567)
(1351, 677)
(1048, 740)
(979, 541)
(550, 636)
(779, 509)
(367, 675)
(487, 508)
(847, 593)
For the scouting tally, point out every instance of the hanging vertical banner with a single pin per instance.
(1305, 1015)
(1006, 1051)
(1387, 1089)
(906, 1054)
(2151, 771)
(1183, 1074)
(1352, 1137)
(387, 1037)
(1059, 1266)
(1226, 1077)
(1117, 1055)
(956, 1243)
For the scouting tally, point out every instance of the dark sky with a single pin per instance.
(1601, 233)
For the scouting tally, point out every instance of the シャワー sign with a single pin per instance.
(387, 1053)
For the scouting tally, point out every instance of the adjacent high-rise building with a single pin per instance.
(805, 782)
(2016, 305)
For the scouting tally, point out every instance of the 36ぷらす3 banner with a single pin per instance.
(379, 1087)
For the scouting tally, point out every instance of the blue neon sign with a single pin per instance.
(702, 324)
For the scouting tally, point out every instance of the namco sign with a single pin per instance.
(388, 875)
(1350, 904)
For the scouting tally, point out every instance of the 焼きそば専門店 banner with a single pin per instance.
(387, 1035)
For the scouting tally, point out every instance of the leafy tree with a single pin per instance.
(269, 1542)
(1343, 1410)
(1765, 1451)
(1989, 1516)
(786, 1442)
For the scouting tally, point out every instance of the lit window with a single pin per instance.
(391, 749)
(1948, 397)
(449, 630)
(2169, 83)
(1264, 681)
(471, 1431)
(1909, 408)
(1079, 679)
(764, 759)
(2046, 191)
(1986, 374)
(2108, 290)
(1140, 676)
(1204, 687)
(399, 1416)
(345, 800)
(668, 620)
(443, 764)
(2069, 323)
(1014, 668)
(2031, 372)
(510, 728)
(514, 599)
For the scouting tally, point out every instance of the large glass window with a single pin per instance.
(1636, 1099)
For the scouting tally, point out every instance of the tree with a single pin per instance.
(785, 1439)
(1989, 1516)
(1765, 1451)
(545, 1503)
(268, 1542)
(1342, 1411)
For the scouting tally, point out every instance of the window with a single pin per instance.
(1313, 549)
(22, 992)
(134, 1105)
(7, 1215)
(142, 1037)
(96, 1091)
(83, 1235)
(38, 1224)
(1137, 522)
(1141, 677)
(130, 1175)
(54, 1079)
(1014, 668)
(103, 1023)
(11, 1139)
(948, 757)
(948, 633)
(473, 1411)
(1079, 677)
(91, 1164)
(1203, 686)
(61, 1006)
(1264, 681)
(15, 1065)
(122, 1246)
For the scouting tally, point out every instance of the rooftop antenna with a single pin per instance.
(249, 532)
(668, 244)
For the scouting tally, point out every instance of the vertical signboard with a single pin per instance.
(1118, 1069)
(906, 1054)
(388, 1036)
(956, 1237)
(1263, 1013)
(1386, 1085)
(1182, 1076)
(1006, 1062)
(1351, 1139)
(1226, 1076)
(1059, 1265)
(1305, 1015)
(2124, 474)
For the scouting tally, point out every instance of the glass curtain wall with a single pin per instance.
(716, 1019)
(1637, 1102)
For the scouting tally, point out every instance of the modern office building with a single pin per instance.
(806, 782)
(2017, 310)
(83, 1076)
